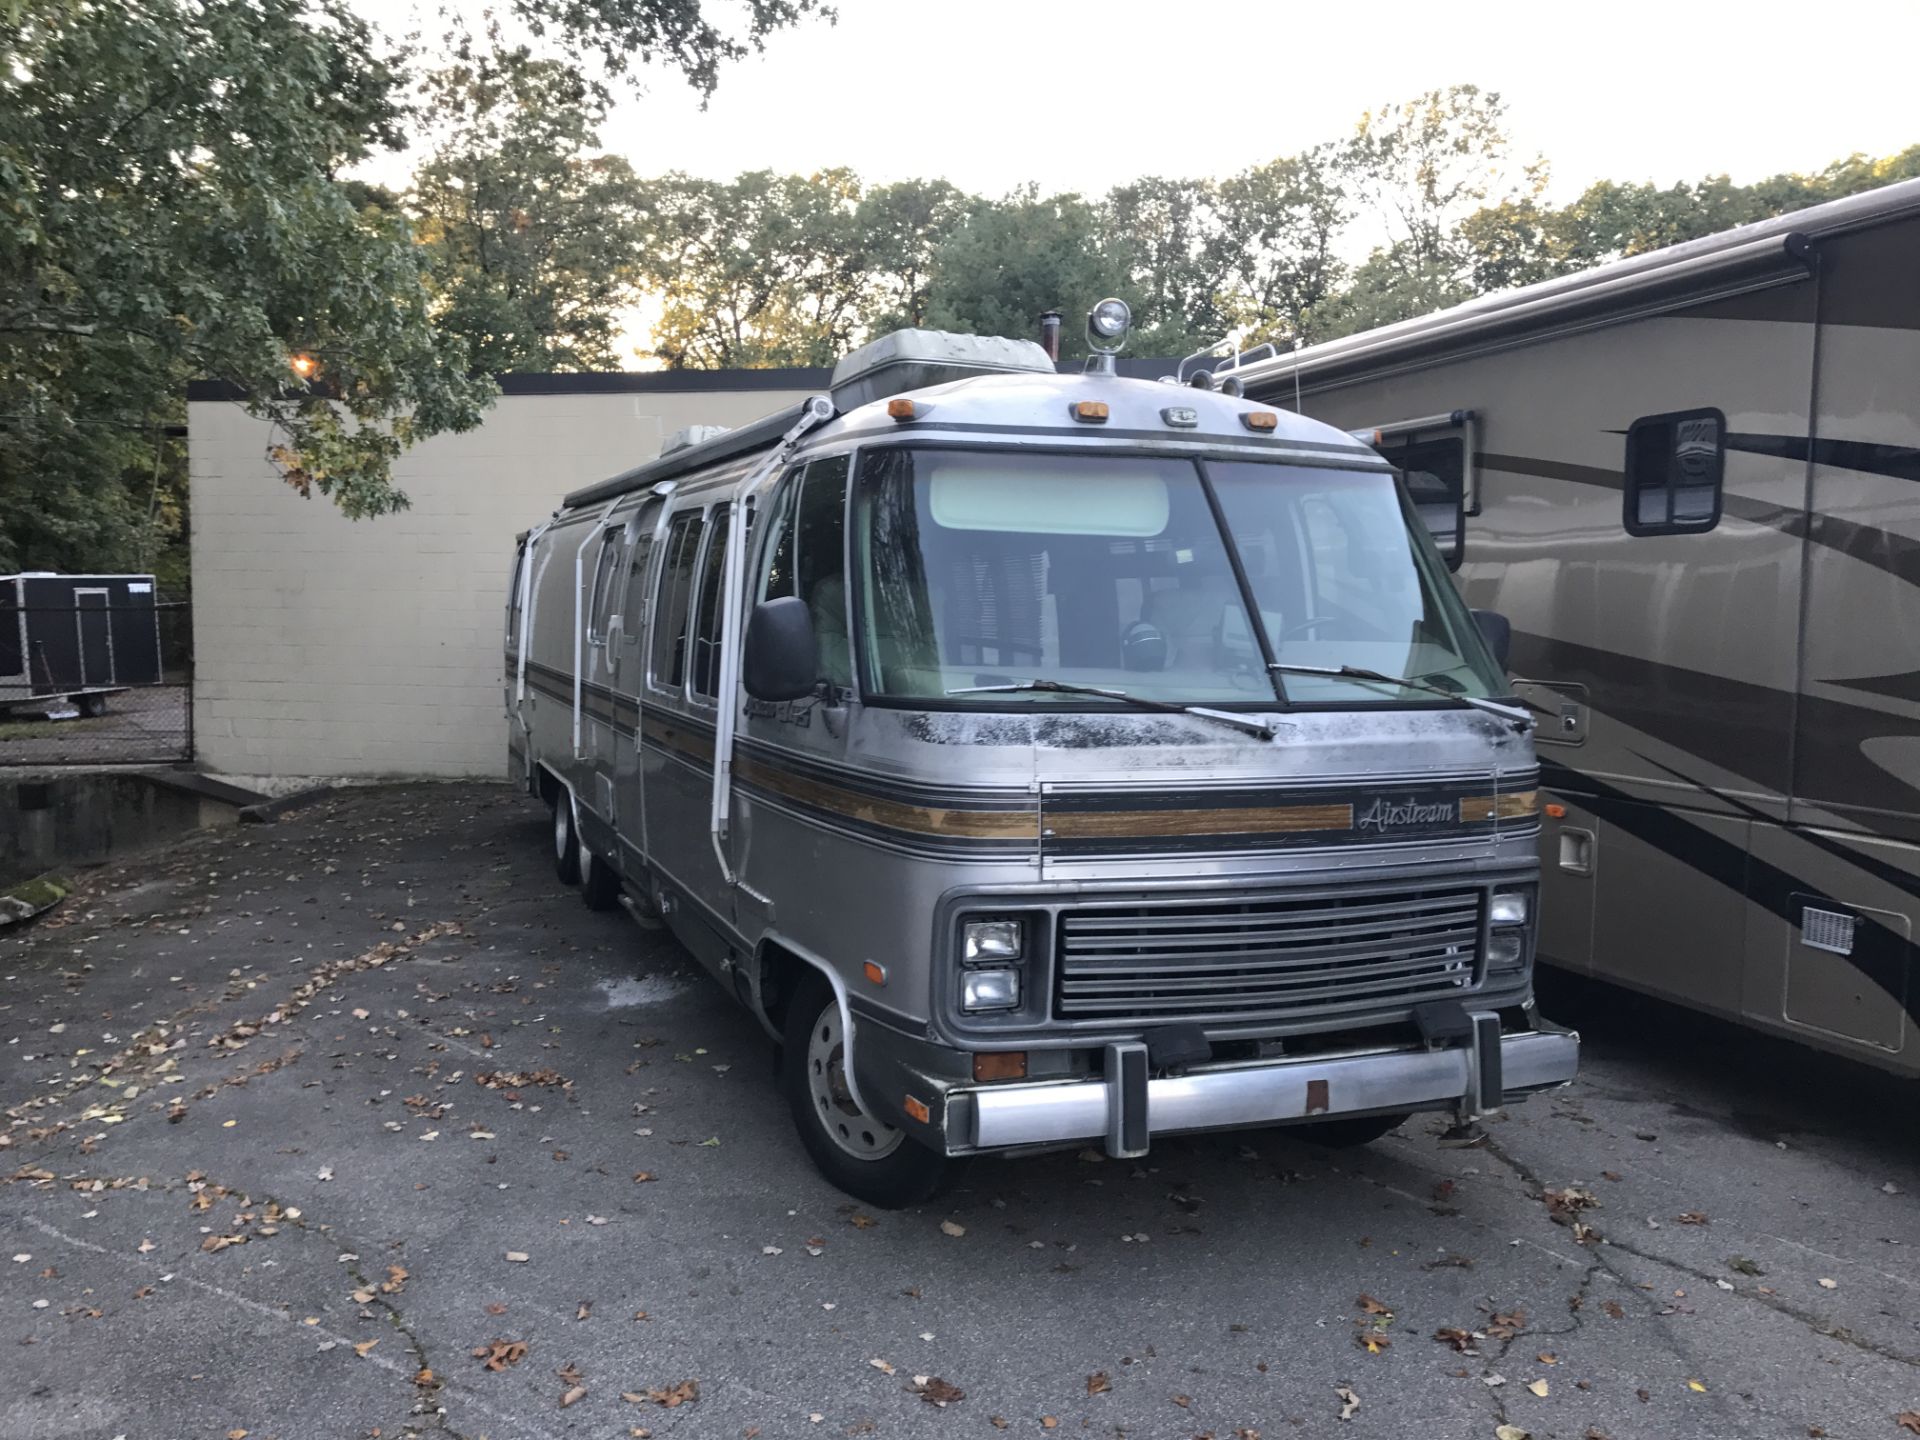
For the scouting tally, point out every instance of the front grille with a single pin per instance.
(1272, 958)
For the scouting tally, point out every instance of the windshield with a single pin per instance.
(985, 567)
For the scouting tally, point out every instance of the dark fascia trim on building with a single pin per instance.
(810, 380)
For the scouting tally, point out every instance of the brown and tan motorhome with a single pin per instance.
(1692, 481)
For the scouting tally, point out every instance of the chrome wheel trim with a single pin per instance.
(847, 1125)
(562, 826)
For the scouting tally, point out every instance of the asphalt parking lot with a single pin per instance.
(357, 1125)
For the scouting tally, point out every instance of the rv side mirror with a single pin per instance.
(1497, 630)
(777, 661)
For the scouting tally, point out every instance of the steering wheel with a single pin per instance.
(1305, 625)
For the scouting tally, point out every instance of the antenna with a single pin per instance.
(1296, 377)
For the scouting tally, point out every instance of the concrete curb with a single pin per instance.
(266, 812)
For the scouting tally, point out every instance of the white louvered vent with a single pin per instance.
(1827, 930)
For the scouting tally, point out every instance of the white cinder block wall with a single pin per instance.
(325, 646)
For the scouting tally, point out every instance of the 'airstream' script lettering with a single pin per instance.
(1386, 814)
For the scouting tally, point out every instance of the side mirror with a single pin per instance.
(1497, 631)
(777, 659)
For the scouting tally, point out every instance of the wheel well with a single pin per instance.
(781, 974)
(549, 787)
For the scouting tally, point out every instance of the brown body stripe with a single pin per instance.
(1517, 806)
(1240, 820)
(893, 814)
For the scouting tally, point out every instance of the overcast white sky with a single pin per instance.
(1084, 94)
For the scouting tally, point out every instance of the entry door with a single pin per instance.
(95, 636)
(627, 656)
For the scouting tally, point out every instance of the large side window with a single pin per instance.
(1435, 471)
(669, 664)
(1674, 468)
(820, 564)
(706, 645)
(606, 567)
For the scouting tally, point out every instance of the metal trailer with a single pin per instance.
(979, 728)
(77, 637)
(1692, 481)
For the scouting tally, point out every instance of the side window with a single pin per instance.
(513, 607)
(776, 570)
(820, 564)
(706, 645)
(1435, 475)
(1674, 469)
(675, 598)
(605, 568)
(633, 610)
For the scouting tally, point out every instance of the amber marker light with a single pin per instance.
(1000, 1065)
(875, 973)
(1556, 811)
(1262, 420)
(1091, 412)
(900, 409)
(917, 1109)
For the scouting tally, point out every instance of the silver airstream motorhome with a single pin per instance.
(1045, 760)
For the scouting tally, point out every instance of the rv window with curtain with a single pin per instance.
(1674, 468)
(600, 598)
(820, 564)
(669, 662)
(1435, 471)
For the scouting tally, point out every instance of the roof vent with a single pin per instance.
(690, 435)
(914, 359)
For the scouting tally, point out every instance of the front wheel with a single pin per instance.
(863, 1155)
(599, 886)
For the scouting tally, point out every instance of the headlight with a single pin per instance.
(1506, 950)
(990, 989)
(984, 940)
(1109, 320)
(1509, 907)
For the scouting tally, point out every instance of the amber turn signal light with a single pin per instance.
(916, 1109)
(1000, 1065)
(875, 973)
(1556, 812)
(900, 409)
(1093, 412)
(1261, 420)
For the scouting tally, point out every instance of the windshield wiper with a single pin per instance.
(1061, 687)
(1521, 720)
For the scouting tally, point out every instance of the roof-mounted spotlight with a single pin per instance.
(1107, 326)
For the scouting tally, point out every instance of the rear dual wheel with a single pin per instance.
(575, 864)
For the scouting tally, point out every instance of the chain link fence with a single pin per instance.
(87, 685)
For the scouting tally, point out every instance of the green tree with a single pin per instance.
(1275, 251)
(902, 227)
(169, 208)
(1161, 237)
(627, 35)
(532, 237)
(1011, 259)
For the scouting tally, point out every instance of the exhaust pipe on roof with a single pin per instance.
(1050, 334)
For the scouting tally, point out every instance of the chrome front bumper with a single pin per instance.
(1126, 1108)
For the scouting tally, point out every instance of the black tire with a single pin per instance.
(1348, 1134)
(599, 886)
(566, 843)
(897, 1170)
(92, 705)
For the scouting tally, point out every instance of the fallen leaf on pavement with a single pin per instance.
(1047, 1422)
(519, 1257)
(1511, 1432)
(1743, 1265)
(1829, 1284)
(641, 1177)
(1613, 1309)
(573, 1396)
(499, 1354)
(1183, 1401)
(1908, 1420)
(935, 1391)
(364, 1346)
(1461, 1340)
(949, 1227)
(1693, 1217)
(1696, 1385)
(1538, 1387)
(1098, 1383)
(1349, 1402)
(1372, 1306)
(673, 1397)
(1563, 1205)
(882, 1366)
(1372, 1341)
